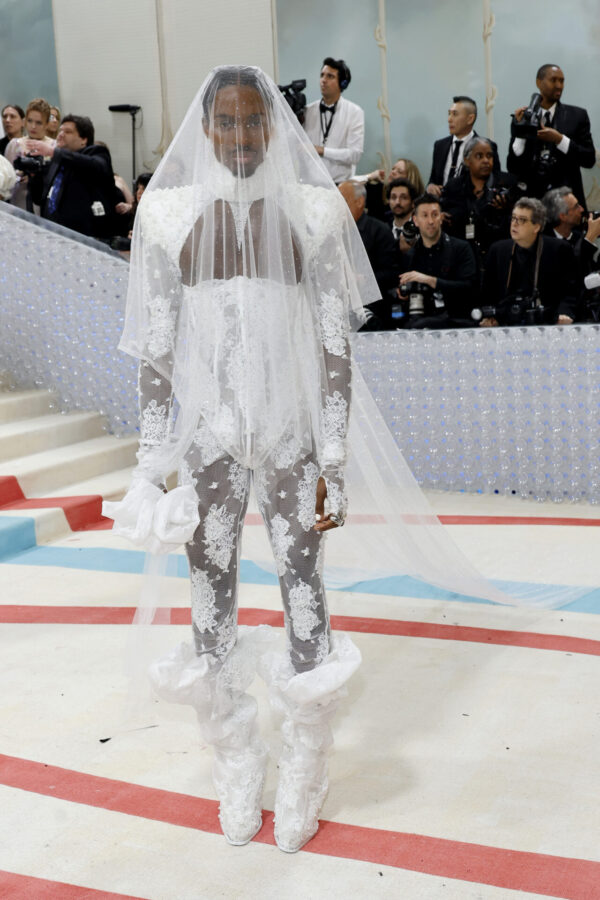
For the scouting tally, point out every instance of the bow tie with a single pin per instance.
(325, 109)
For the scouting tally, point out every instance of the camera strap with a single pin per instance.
(536, 271)
(326, 125)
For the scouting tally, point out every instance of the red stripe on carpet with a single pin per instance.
(515, 520)
(123, 615)
(79, 511)
(26, 887)
(10, 490)
(577, 879)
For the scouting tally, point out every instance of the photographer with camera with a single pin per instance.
(401, 196)
(566, 221)
(336, 126)
(550, 140)
(77, 189)
(529, 279)
(24, 152)
(478, 202)
(437, 285)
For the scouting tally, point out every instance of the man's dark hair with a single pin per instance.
(13, 106)
(422, 199)
(468, 101)
(401, 182)
(344, 76)
(83, 125)
(143, 180)
(543, 70)
(225, 76)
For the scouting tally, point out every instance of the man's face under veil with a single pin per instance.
(238, 127)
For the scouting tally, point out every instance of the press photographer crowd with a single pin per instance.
(474, 246)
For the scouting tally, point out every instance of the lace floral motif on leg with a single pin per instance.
(219, 537)
(161, 331)
(332, 319)
(281, 541)
(302, 610)
(238, 476)
(210, 449)
(204, 608)
(307, 496)
(285, 453)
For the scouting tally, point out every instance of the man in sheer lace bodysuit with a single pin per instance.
(243, 286)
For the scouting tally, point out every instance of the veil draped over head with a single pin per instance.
(244, 261)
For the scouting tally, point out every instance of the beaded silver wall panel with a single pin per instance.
(512, 411)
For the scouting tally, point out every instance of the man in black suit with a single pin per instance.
(563, 144)
(439, 273)
(78, 188)
(532, 266)
(448, 152)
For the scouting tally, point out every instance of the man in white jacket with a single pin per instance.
(336, 126)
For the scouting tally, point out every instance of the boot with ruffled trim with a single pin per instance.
(308, 700)
(227, 719)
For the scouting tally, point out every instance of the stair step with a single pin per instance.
(51, 470)
(110, 486)
(27, 436)
(15, 405)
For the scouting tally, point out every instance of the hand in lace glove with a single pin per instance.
(330, 488)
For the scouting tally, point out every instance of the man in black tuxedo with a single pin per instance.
(563, 144)
(448, 152)
(78, 187)
(531, 266)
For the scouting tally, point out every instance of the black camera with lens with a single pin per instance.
(420, 298)
(521, 310)
(30, 165)
(531, 122)
(409, 231)
(294, 96)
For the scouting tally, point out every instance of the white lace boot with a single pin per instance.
(227, 719)
(309, 701)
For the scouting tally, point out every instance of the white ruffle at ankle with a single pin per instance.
(308, 701)
(227, 719)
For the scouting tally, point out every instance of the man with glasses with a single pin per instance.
(530, 278)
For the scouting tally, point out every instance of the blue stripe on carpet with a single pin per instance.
(17, 533)
(106, 559)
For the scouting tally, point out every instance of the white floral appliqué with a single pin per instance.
(161, 329)
(219, 538)
(238, 476)
(155, 423)
(332, 321)
(334, 418)
(302, 610)
(204, 609)
(281, 542)
(307, 496)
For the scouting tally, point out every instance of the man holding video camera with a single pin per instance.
(437, 285)
(550, 140)
(529, 279)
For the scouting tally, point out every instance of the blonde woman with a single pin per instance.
(37, 116)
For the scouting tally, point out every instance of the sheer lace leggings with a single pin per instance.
(286, 502)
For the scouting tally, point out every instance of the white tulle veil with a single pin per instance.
(247, 207)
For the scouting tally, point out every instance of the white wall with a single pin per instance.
(107, 52)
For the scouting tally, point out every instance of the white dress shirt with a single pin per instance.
(346, 138)
(519, 143)
(461, 153)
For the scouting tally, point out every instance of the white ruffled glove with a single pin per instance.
(152, 520)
